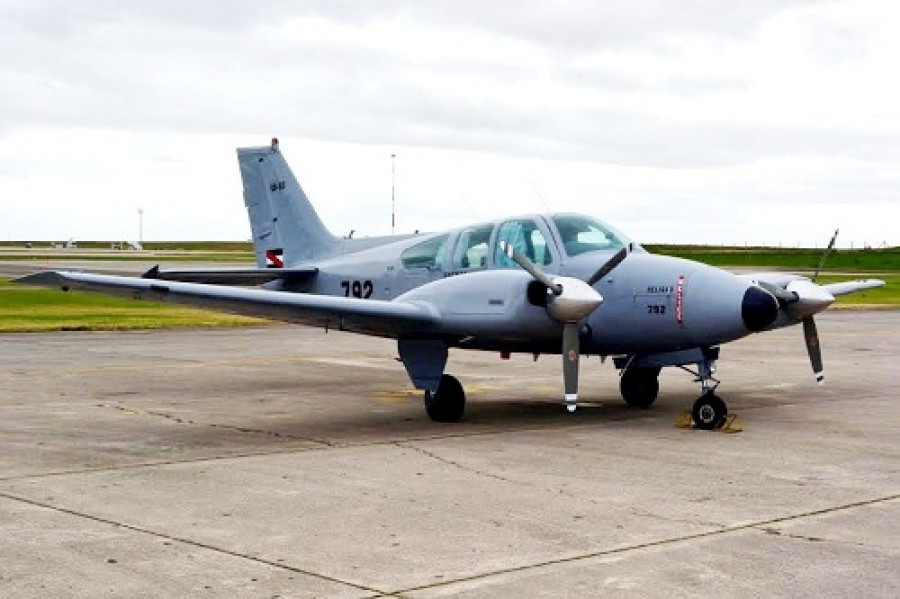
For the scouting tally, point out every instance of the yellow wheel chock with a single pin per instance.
(733, 423)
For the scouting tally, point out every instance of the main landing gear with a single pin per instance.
(640, 386)
(448, 403)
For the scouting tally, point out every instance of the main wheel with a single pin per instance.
(709, 411)
(640, 386)
(448, 403)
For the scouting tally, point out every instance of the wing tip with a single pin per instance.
(44, 278)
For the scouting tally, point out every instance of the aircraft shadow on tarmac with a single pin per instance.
(407, 421)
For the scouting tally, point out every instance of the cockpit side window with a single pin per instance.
(428, 254)
(580, 234)
(471, 249)
(526, 237)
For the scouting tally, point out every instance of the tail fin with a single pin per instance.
(286, 229)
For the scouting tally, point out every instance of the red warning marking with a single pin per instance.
(273, 259)
(679, 301)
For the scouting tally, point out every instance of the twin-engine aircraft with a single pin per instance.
(564, 284)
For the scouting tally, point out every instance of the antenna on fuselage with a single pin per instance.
(393, 197)
(538, 193)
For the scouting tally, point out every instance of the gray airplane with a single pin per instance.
(564, 284)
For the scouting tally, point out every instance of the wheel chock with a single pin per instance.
(684, 420)
(732, 424)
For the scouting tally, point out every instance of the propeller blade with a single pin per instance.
(572, 301)
(825, 255)
(608, 266)
(812, 346)
(570, 354)
(529, 266)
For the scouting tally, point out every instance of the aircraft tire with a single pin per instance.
(449, 402)
(639, 386)
(709, 411)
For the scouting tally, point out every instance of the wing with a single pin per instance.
(231, 276)
(372, 317)
(845, 287)
(782, 280)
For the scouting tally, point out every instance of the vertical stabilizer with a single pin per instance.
(286, 229)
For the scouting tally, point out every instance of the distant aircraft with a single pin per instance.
(564, 284)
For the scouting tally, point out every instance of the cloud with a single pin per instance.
(696, 85)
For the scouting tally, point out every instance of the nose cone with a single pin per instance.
(759, 309)
(578, 299)
(811, 299)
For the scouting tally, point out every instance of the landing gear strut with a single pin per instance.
(639, 386)
(448, 403)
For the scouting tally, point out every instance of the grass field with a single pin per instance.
(24, 308)
(886, 260)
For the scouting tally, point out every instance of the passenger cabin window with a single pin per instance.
(580, 234)
(472, 247)
(428, 254)
(526, 237)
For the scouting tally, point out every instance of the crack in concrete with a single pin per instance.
(239, 429)
(464, 468)
(780, 533)
(199, 544)
(761, 525)
(547, 489)
(647, 514)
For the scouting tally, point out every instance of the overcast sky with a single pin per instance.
(692, 121)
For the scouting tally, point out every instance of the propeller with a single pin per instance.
(801, 299)
(822, 299)
(569, 301)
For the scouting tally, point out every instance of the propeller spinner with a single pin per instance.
(569, 301)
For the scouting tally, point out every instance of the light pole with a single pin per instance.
(393, 199)
(141, 228)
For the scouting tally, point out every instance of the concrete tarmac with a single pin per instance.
(286, 462)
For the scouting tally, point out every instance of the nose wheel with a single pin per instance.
(709, 412)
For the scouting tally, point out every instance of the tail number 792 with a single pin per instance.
(360, 289)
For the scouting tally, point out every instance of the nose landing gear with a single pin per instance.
(710, 412)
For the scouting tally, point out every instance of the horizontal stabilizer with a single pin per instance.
(372, 317)
(231, 276)
(845, 287)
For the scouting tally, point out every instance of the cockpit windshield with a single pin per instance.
(580, 234)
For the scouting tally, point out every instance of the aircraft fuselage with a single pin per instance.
(652, 303)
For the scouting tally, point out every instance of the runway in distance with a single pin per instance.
(563, 284)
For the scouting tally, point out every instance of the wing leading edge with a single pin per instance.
(373, 317)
